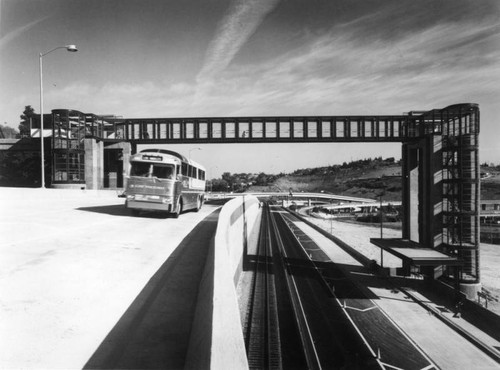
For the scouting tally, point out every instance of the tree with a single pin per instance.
(24, 126)
(7, 132)
(262, 179)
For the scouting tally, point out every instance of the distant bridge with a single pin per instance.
(294, 195)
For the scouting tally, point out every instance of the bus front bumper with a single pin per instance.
(148, 205)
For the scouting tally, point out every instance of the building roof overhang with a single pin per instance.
(415, 254)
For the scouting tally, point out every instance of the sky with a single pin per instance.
(198, 58)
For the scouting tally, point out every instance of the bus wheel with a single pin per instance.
(178, 209)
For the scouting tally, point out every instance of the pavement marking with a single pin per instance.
(359, 333)
(390, 366)
(429, 367)
(359, 309)
(415, 345)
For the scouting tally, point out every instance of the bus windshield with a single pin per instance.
(140, 169)
(161, 171)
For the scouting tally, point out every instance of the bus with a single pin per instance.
(165, 181)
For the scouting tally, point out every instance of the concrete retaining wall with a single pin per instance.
(217, 339)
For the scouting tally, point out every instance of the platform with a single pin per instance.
(414, 253)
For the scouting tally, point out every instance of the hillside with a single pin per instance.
(364, 178)
(490, 183)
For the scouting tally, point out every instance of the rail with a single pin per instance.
(261, 332)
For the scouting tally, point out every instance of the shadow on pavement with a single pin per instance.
(155, 330)
(113, 210)
(444, 300)
(120, 210)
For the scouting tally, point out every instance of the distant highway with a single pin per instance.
(293, 195)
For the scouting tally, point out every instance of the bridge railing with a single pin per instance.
(264, 129)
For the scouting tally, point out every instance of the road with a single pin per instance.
(71, 265)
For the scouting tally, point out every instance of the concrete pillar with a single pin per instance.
(431, 194)
(410, 170)
(422, 191)
(126, 151)
(94, 164)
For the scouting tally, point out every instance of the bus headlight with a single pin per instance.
(166, 200)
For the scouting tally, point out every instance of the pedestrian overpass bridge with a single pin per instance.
(440, 161)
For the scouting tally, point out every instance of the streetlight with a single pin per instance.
(73, 49)
(382, 193)
(381, 213)
(190, 150)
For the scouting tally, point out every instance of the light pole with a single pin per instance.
(73, 49)
(381, 219)
(381, 228)
(190, 150)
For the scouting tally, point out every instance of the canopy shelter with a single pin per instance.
(413, 253)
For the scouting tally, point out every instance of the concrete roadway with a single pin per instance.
(73, 264)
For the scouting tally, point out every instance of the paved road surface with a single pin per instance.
(71, 264)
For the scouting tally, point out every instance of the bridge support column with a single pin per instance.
(94, 164)
(422, 191)
(96, 168)
(410, 192)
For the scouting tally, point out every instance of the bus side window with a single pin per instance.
(185, 169)
(177, 170)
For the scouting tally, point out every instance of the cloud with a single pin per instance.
(17, 32)
(237, 26)
(333, 74)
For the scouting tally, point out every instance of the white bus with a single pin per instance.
(163, 180)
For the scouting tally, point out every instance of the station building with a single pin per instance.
(82, 150)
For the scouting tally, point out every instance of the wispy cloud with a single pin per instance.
(332, 75)
(4, 40)
(239, 23)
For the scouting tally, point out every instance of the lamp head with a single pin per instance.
(71, 48)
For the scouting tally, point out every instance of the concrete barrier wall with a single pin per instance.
(217, 339)
(237, 222)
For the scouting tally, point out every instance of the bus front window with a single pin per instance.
(163, 171)
(140, 169)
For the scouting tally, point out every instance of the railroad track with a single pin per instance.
(308, 314)
(329, 339)
(285, 328)
(261, 332)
